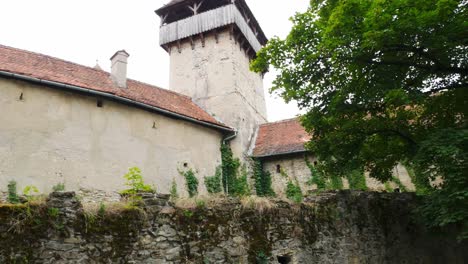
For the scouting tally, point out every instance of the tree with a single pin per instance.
(383, 82)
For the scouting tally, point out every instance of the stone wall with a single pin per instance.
(53, 136)
(344, 227)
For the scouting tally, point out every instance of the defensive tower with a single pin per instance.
(211, 44)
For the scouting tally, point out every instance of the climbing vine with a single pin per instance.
(213, 183)
(262, 180)
(357, 180)
(191, 182)
(294, 192)
(230, 167)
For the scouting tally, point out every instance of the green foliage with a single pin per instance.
(262, 258)
(200, 203)
(421, 184)
(336, 182)
(213, 183)
(174, 193)
(316, 176)
(321, 179)
(230, 167)
(233, 183)
(262, 180)
(12, 193)
(53, 212)
(59, 187)
(102, 209)
(134, 180)
(400, 185)
(29, 191)
(294, 192)
(388, 187)
(191, 182)
(188, 213)
(357, 180)
(242, 183)
(382, 82)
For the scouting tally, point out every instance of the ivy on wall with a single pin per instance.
(357, 180)
(262, 180)
(230, 167)
(191, 182)
(213, 183)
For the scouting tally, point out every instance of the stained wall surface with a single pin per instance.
(294, 168)
(216, 75)
(52, 136)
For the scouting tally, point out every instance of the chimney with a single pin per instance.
(119, 68)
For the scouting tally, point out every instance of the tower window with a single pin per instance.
(278, 168)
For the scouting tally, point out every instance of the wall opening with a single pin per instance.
(284, 259)
(278, 168)
(21, 97)
(100, 103)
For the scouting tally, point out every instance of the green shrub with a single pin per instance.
(174, 193)
(357, 180)
(134, 180)
(400, 185)
(12, 193)
(59, 187)
(191, 182)
(316, 176)
(213, 183)
(230, 167)
(262, 180)
(242, 183)
(294, 192)
(29, 191)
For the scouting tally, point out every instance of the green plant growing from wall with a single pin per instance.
(213, 183)
(294, 192)
(316, 176)
(357, 180)
(230, 167)
(336, 183)
(173, 191)
(421, 184)
(400, 185)
(134, 180)
(30, 191)
(59, 187)
(242, 183)
(262, 258)
(191, 182)
(12, 193)
(262, 180)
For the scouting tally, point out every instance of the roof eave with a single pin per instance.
(116, 98)
(280, 154)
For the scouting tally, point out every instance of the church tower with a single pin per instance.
(211, 44)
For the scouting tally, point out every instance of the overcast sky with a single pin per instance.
(88, 30)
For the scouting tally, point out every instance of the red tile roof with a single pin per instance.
(279, 138)
(48, 68)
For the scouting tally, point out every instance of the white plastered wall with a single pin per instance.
(53, 136)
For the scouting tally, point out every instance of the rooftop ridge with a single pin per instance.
(91, 68)
(51, 57)
(281, 121)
